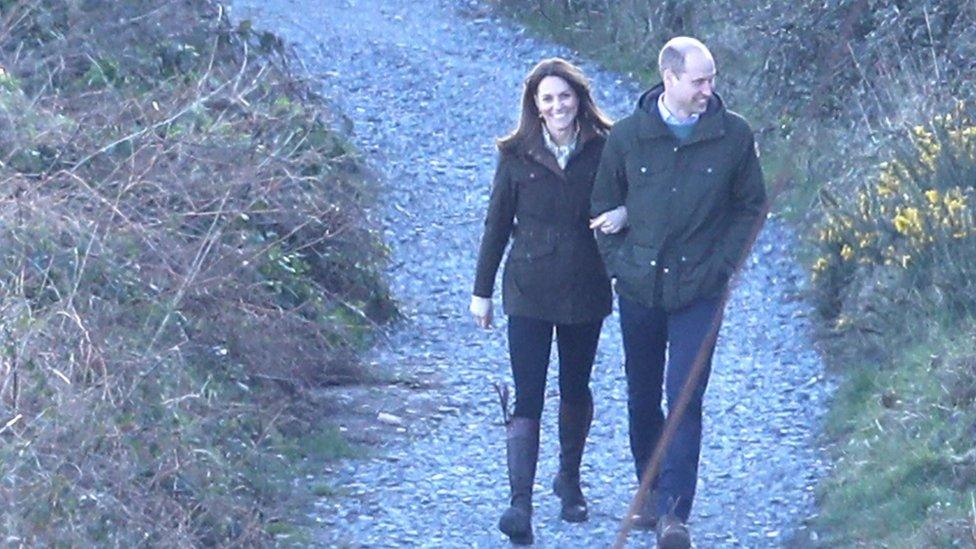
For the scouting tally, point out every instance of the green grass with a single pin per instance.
(905, 472)
(288, 535)
(325, 444)
(592, 43)
(304, 456)
(324, 489)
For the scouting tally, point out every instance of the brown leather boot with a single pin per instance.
(672, 533)
(522, 441)
(574, 426)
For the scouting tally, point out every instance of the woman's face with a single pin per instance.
(557, 103)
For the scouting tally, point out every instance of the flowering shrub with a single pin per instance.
(908, 231)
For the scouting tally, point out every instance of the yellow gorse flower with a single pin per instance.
(927, 146)
(955, 204)
(887, 184)
(820, 265)
(866, 239)
(908, 221)
(905, 217)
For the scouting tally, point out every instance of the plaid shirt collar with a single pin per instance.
(561, 152)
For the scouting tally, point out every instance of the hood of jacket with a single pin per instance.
(710, 123)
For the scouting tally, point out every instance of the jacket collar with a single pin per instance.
(710, 125)
(534, 147)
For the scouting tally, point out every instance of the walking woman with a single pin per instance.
(554, 278)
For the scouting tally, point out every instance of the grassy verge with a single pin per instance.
(891, 271)
(183, 256)
(905, 467)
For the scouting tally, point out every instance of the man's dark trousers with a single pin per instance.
(647, 333)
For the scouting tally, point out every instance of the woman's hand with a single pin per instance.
(481, 310)
(610, 222)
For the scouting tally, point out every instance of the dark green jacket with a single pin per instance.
(692, 206)
(554, 271)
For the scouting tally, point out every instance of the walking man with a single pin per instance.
(677, 196)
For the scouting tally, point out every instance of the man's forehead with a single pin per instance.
(698, 75)
(699, 65)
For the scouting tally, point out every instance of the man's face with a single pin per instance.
(689, 91)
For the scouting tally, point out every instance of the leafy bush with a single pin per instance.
(906, 236)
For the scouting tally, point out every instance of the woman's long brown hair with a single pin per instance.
(587, 114)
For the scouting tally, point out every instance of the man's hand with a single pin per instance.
(610, 222)
(481, 310)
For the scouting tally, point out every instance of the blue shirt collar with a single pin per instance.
(669, 117)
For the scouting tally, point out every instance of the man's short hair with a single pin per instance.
(674, 52)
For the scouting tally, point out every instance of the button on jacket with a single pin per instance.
(691, 205)
(553, 271)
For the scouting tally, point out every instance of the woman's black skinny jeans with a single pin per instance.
(529, 345)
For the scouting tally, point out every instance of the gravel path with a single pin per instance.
(428, 86)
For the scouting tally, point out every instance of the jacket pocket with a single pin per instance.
(534, 268)
(641, 172)
(707, 278)
(529, 249)
(636, 262)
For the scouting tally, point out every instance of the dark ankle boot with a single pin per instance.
(646, 517)
(523, 452)
(574, 426)
(672, 533)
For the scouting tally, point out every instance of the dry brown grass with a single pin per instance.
(183, 252)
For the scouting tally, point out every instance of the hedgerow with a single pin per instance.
(184, 253)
